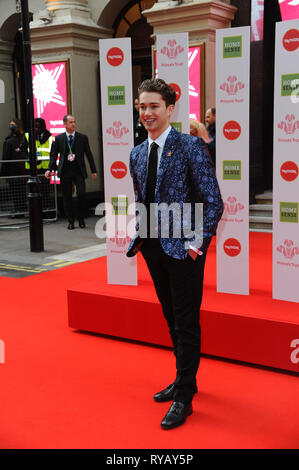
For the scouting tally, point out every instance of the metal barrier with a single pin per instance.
(14, 196)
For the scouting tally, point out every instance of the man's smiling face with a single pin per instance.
(154, 114)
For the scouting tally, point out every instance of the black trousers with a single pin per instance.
(66, 181)
(179, 286)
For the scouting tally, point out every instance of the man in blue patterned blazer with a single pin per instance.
(170, 168)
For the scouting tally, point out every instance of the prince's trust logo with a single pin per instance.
(120, 241)
(231, 209)
(289, 251)
(117, 131)
(172, 50)
(288, 126)
(232, 87)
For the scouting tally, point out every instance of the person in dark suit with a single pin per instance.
(170, 168)
(211, 128)
(140, 133)
(71, 146)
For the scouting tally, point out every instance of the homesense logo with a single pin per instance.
(232, 47)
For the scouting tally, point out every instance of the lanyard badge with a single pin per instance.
(71, 155)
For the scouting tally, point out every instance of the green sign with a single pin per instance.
(232, 47)
(289, 212)
(289, 83)
(116, 95)
(119, 205)
(177, 126)
(231, 169)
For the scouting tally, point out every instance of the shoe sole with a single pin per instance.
(166, 428)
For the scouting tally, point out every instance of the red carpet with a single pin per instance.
(254, 328)
(64, 389)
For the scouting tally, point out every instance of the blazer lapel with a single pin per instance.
(167, 155)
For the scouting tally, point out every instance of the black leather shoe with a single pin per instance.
(166, 394)
(176, 415)
(71, 226)
(81, 223)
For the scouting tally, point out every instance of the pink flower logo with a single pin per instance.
(120, 239)
(232, 206)
(117, 131)
(290, 125)
(232, 85)
(288, 249)
(172, 50)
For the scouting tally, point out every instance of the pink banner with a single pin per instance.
(289, 9)
(257, 20)
(194, 81)
(50, 94)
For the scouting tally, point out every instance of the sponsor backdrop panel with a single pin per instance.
(232, 158)
(286, 163)
(117, 126)
(196, 81)
(173, 67)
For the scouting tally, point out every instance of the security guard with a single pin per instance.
(43, 141)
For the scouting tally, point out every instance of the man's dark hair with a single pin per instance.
(42, 123)
(213, 111)
(65, 118)
(157, 85)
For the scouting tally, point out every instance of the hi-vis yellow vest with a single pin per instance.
(42, 153)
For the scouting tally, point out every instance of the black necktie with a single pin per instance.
(70, 139)
(151, 182)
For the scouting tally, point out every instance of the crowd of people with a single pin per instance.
(70, 145)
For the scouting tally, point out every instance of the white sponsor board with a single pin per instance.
(117, 126)
(172, 65)
(286, 163)
(232, 158)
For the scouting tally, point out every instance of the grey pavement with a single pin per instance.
(62, 247)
